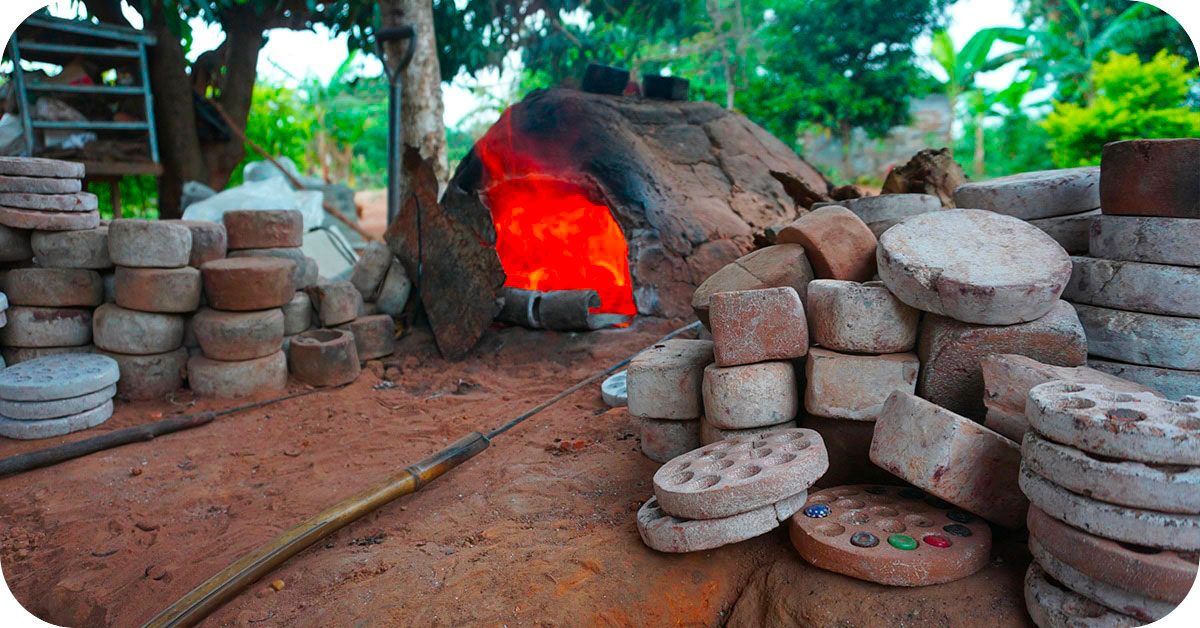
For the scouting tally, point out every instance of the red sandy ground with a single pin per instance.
(524, 534)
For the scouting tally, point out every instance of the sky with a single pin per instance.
(290, 56)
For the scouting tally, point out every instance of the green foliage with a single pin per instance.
(1132, 100)
(139, 197)
(282, 123)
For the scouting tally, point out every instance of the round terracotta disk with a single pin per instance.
(891, 535)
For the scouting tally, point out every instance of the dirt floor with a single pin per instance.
(538, 530)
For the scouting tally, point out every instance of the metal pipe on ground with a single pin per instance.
(192, 608)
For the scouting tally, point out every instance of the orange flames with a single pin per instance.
(549, 235)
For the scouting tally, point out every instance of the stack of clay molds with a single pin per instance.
(375, 334)
(1114, 482)
(882, 212)
(271, 233)
(3, 321)
(751, 386)
(1138, 296)
(44, 195)
(50, 312)
(1063, 203)
(240, 332)
(209, 243)
(663, 385)
(56, 395)
(731, 490)
(154, 290)
(380, 278)
(988, 283)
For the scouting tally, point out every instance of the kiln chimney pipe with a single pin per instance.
(192, 608)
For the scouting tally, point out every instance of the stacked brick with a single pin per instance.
(377, 276)
(154, 291)
(240, 333)
(1114, 524)
(663, 385)
(1063, 203)
(1138, 295)
(44, 214)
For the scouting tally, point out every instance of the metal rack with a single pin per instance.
(58, 41)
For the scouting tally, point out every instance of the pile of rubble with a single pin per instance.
(167, 301)
(976, 293)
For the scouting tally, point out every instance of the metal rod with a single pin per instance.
(61, 453)
(192, 608)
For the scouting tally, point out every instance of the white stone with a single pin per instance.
(613, 390)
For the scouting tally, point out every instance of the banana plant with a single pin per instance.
(961, 66)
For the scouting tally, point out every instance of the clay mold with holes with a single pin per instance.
(737, 475)
(1129, 426)
(667, 533)
(898, 536)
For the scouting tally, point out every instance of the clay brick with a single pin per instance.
(46, 327)
(1151, 240)
(153, 376)
(1148, 339)
(889, 535)
(131, 332)
(149, 243)
(1175, 384)
(208, 241)
(709, 433)
(71, 249)
(248, 283)
(859, 317)
(374, 336)
(299, 273)
(1073, 232)
(370, 269)
(844, 386)
(238, 335)
(324, 357)
(1151, 178)
(665, 381)
(54, 287)
(750, 395)
(335, 302)
(219, 378)
(1007, 379)
(14, 244)
(663, 440)
(951, 353)
(771, 267)
(1033, 195)
(838, 244)
(48, 221)
(297, 314)
(960, 263)
(882, 212)
(264, 229)
(1136, 287)
(951, 457)
(757, 325)
(169, 290)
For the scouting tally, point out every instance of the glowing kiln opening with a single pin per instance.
(550, 236)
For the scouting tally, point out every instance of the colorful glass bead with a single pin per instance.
(817, 511)
(957, 529)
(960, 516)
(902, 541)
(936, 540)
(864, 539)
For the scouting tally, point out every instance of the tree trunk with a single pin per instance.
(243, 41)
(421, 108)
(174, 116)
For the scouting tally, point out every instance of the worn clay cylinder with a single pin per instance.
(324, 357)
(169, 290)
(264, 229)
(248, 283)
